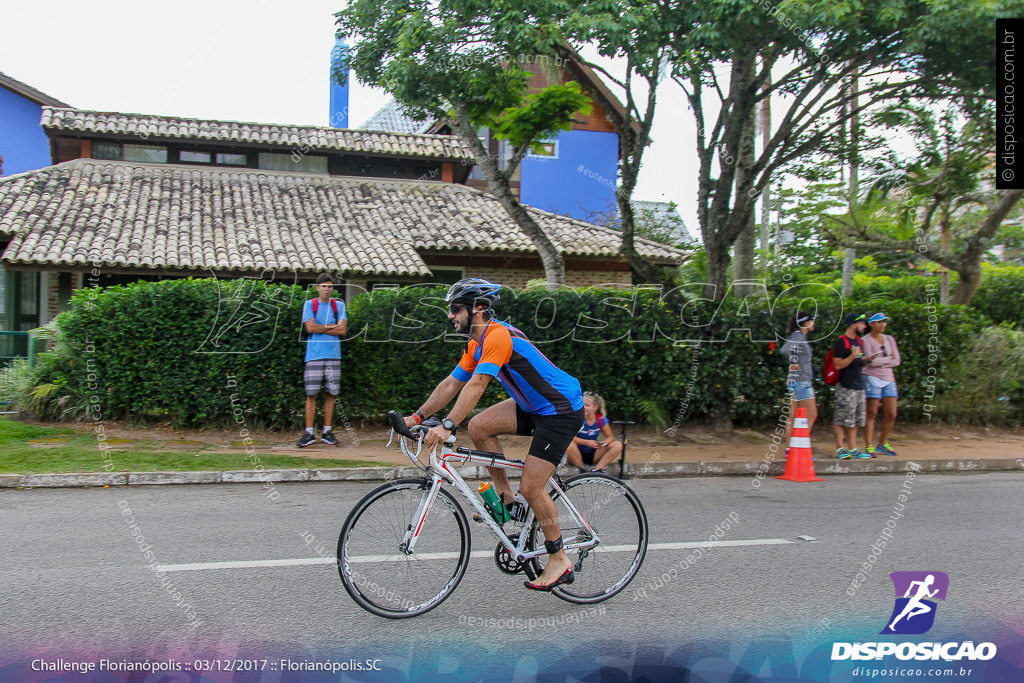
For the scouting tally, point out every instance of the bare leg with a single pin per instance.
(810, 406)
(789, 422)
(851, 437)
(606, 455)
(870, 412)
(484, 430)
(573, 456)
(328, 410)
(840, 434)
(888, 417)
(534, 487)
(310, 411)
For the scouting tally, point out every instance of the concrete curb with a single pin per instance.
(642, 471)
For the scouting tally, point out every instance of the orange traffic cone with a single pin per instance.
(800, 465)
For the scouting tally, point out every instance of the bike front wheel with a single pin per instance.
(617, 516)
(376, 569)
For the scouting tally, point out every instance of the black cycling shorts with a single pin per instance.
(551, 434)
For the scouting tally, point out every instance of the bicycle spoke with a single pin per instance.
(378, 574)
(618, 519)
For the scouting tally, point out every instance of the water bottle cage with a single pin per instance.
(553, 546)
(517, 511)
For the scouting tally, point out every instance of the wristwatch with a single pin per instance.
(449, 425)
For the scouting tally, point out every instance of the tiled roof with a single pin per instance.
(665, 212)
(306, 138)
(90, 213)
(28, 92)
(391, 118)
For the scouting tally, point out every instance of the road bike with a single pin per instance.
(405, 546)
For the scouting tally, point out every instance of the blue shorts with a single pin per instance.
(888, 391)
(801, 391)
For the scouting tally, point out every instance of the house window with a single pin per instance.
(293, 162)
(195, 157)
(152, 153)
(109, 151)
(545, 149)
(445, 276)
(233, 159)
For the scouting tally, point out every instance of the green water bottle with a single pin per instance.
(493, 503)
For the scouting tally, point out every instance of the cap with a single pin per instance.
(852, 318)
(804, 318)
(878, 317)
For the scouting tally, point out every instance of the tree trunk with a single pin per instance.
(765, 125)
(499, 184)
(970, 278)
(718, 267)
(730, 209)
(849, 263)
(944, 275)
(850, 254)
(743, 261)
(643, 272)
(746, 243)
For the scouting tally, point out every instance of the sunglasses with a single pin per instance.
(455, 308)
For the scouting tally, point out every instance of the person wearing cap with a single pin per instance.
(848, 353)
(545, 403)
(880, 382)
(800, 380)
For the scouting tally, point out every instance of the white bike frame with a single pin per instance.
(443, 469)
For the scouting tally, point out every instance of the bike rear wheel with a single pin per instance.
(379, 574)
(617, 516)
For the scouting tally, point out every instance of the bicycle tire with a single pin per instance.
(618, 517)
(382, 578)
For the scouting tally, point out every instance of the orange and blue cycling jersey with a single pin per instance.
(534, 382)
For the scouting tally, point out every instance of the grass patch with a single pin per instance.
(79, 453)
(12, 432)
(70, 459)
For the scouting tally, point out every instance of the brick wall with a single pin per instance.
(50, 288)
(51, 291)
(518, 278)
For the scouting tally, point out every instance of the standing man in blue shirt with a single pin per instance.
(325, 321)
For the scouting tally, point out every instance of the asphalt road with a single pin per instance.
(76, 584)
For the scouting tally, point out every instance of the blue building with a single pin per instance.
(575, 174)
(23, 144)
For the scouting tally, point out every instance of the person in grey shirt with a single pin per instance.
(800, 381)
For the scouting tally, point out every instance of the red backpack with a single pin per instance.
(829, 369)
(303, 334)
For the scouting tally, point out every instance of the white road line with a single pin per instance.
(305, 561)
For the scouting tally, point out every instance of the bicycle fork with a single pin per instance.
(412, 532)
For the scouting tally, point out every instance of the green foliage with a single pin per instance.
(168, 351)
(541, 115)
(143, 352)
(988, 380)
(433, 56)
(1001, 295)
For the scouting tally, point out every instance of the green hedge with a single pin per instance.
(151, 351)
(1000, 295)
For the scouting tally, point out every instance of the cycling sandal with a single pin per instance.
(565, 578)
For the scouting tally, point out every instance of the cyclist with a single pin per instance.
(546, 403)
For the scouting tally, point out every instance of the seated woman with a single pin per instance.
(594, 444)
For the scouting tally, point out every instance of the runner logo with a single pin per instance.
(916, 592)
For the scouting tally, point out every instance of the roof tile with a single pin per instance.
(79, 121)
(124, 215)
